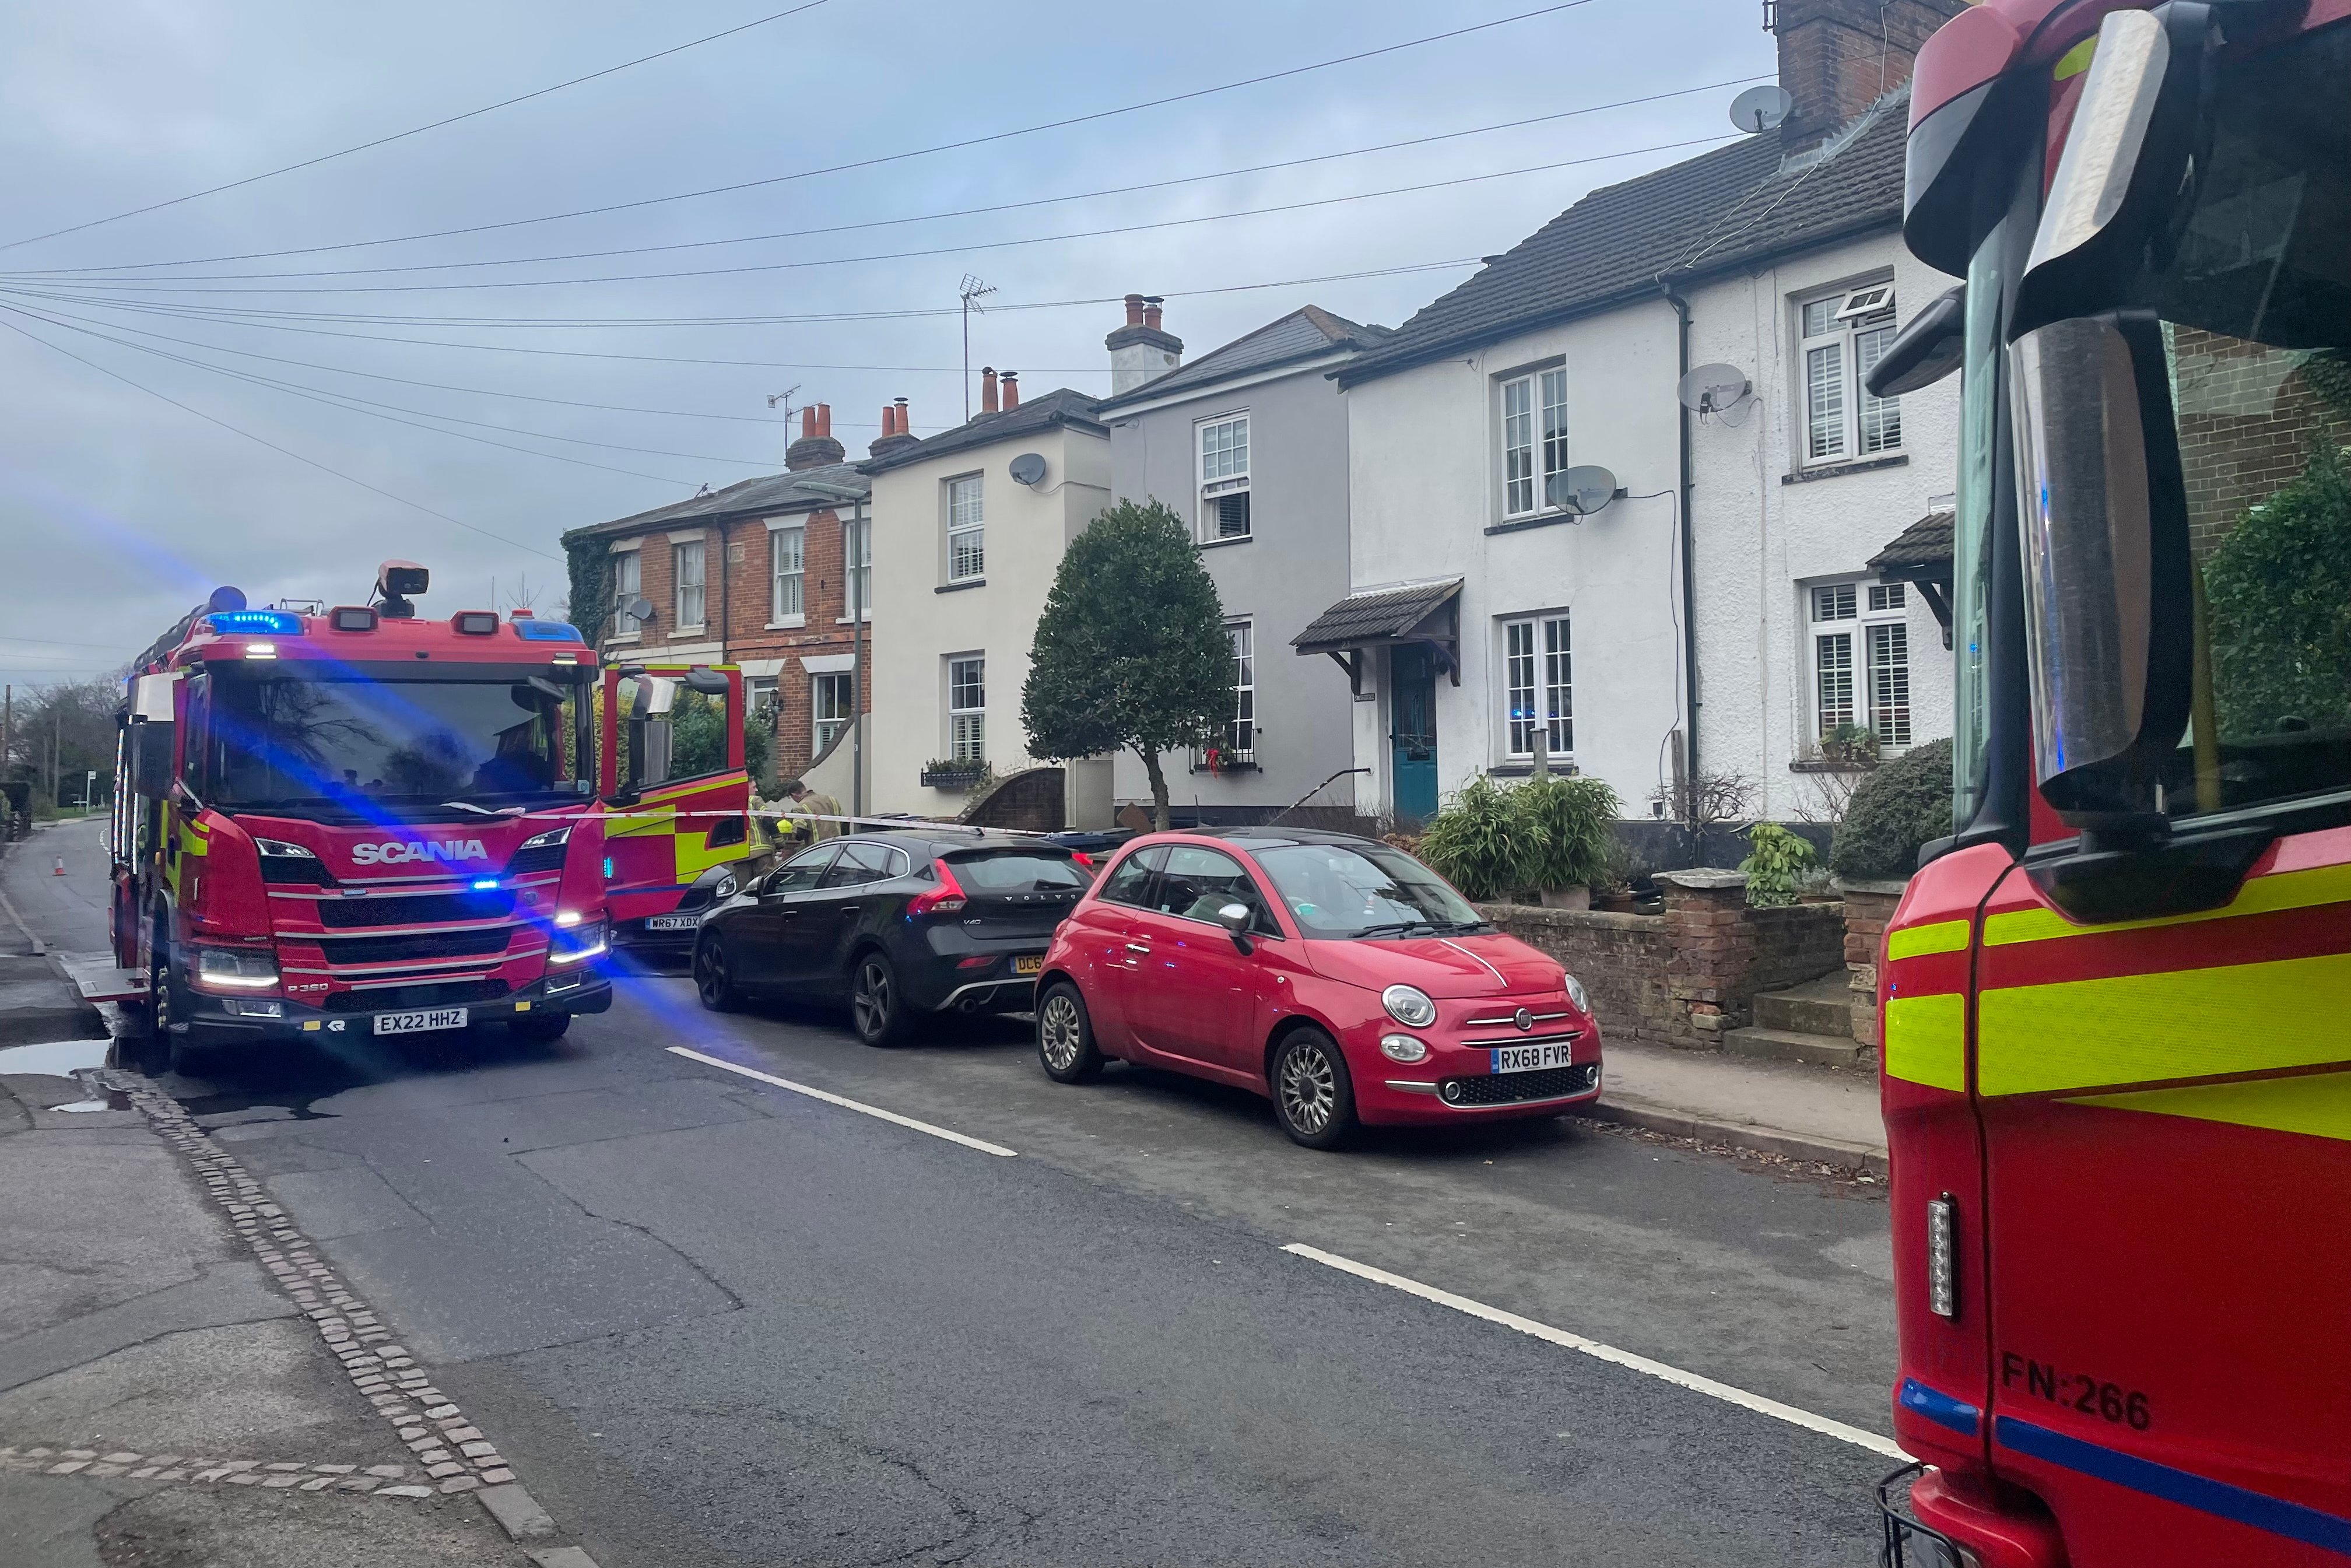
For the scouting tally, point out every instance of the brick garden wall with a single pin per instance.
(1682, 977)
(1868, 905)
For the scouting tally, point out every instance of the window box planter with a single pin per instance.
(955, 776)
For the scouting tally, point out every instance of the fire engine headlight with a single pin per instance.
(551, 837)
(1409, 1006)
(236, 968)
(1402, 1048)
(1577, 994)
(278, 849)
(572, 943)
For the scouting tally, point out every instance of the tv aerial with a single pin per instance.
(1714, 390)
(1582, 490)
(1758, 108)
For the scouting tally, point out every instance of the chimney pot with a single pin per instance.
(988, 389)
(1151, 313)
(808, 422)
(1011, 383)
(1134, 309)
(889, 424)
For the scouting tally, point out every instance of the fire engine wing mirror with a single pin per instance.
(2108, 605)
(709, 682)
(151, 757)
(2122, 165)
(1925, 350)
(654, 697)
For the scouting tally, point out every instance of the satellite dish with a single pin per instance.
(1760, 107)
(638, 609)
(1713, 389)
(1583, 489)
(1029, 468)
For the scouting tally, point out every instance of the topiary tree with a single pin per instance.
(1132, 650)
(2278, 590)
(1898, 809)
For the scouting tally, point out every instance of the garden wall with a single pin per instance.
(1682, 977)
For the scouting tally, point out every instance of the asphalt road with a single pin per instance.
(713, 1320)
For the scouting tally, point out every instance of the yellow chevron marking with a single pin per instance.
(1927, 1040)
(2316, 1105)
(2152, 1028)
(1917, 941)
(2261, 895)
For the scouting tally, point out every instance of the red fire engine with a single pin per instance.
(2118, 1069)
(357, 820)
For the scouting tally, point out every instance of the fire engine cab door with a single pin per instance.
(2166, 1107)
(676, 795)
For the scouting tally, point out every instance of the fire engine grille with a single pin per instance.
(415, 909)
(1510, 1088)
(445, 994)
(301, 871)
(546, 857)
(417, 945)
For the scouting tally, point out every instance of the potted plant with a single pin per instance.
(948, 773)
(1574, 824)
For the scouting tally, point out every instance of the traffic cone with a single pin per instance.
(61, 867)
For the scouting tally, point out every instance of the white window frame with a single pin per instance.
(1220, 457)
(628, 583)
(1839, 422)
(696, 551)
(1858, 629)
(966, 498)
(788, 574)
(1538, 661)
(1239, 740)
(857, 558)
(758, 689)
(832, 705)
(967, 707)
(1534, 410)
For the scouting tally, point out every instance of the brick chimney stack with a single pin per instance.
(1839, 57)
(816, 447)
(1141, 349)
(1010, 383)
(894, 433)
(988, 389)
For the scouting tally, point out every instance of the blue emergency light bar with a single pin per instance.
(276, 622)
(547, 631)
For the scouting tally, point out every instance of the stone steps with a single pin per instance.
(1794, 1045)
(1817, 1007)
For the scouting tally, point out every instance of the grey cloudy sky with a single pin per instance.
(119, 510)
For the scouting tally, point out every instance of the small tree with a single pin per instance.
(1132, 649)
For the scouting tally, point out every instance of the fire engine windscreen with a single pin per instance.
(343, 739)
(2246, 365)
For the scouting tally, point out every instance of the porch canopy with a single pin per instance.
(1921, 554)
(1428, 614)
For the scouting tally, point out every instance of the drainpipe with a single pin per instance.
(1689, 595)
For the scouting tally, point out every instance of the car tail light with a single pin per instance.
(943, 899)
(1083, 858)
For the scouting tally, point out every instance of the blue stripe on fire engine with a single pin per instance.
(2326, 1531)
(1939, 1408)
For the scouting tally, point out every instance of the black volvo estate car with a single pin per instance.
(896, 923)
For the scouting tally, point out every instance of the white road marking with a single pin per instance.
(1608, 1352)
(845, 1102)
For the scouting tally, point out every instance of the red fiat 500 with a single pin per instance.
(1338, 976)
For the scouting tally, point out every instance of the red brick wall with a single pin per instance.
(1866, 911)
(738, 563)
(1682, 977)
(2244, 431)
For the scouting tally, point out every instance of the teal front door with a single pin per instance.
(1411, 732)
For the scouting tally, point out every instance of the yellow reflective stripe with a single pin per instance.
(2075, 60)
(2261, 895)
(1927, 1040)
(1917, 941)
(2147, 1029)
(633, 825)
(2318, 1104)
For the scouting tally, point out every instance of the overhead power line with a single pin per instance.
(413, 131)
(177, 287)
(95, 275)
(249, 316)
(283, 451)
(959, 144)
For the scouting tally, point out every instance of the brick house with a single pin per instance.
(755, 575)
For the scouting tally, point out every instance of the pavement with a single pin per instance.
(1825, 1115)
(788, 1299)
